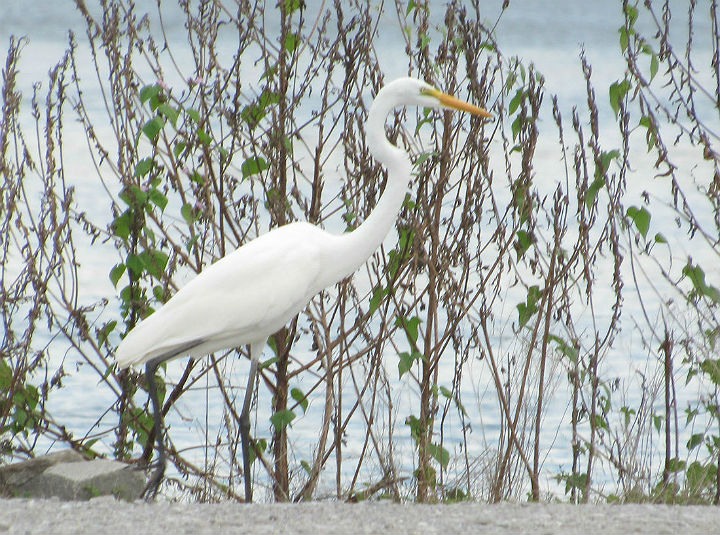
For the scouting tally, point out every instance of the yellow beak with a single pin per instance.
(455, 103)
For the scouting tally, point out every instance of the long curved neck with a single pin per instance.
(357, 246)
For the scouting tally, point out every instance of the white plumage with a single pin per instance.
(252, 292)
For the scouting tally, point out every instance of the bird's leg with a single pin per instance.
(156, 477)
(245, 423)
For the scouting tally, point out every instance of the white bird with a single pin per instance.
(251, 293)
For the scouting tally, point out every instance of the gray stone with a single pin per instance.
(70, 477)
(16, 475)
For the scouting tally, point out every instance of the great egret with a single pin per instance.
(252, 292)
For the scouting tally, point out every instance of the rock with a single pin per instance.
(17, 475)
(85, 480)
(68, 476)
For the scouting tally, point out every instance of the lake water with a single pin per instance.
(550, 34)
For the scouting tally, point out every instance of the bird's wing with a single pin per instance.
(243, 298)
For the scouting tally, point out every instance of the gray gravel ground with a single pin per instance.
(106, 515)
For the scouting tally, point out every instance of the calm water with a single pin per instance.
(551, 34)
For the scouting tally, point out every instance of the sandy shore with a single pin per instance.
(106, 515)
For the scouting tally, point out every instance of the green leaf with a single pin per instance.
(641, 218)
(134, 196)
(573, 481)
(105, 331)
(527, 310)
(349, 217)
(651, 135)
(121, 225)
(410, 326)
(440, 454)
(153, 127)
(253, 166)
(653, 66)
(423, 157)
(149, 235)
(272, 344)
(187, 212)
(192, 243)
(393, 263)
(252, 114)
(270, 72)
(20, 417)
(268, 98)
(405, 363)
(204, 138)
(700, 476)
(676, 465)
(6, 375)
(632, 15)
(624, 38)
(695, 440)
(298, 396)
(592, 192)
(159, 293)
(413, 422)
(194, 115)
(510, 80)
(405, 239)
(178, 149)
(523, 243)
(485, 45)
(516, 125)
(140, 421)
(605, 159)
(135, 264)
(516, 100)
(260, 445)
(378, 293)
(143, 167)
(600, 422)
(128, 294)
(306, 466)
(158, 198)
(116, 273)
(293, 5)
(281, 419)
(659, 238)
(446, 392)
(628, 413)
(657, 422)
(154, 262)
(197, 178)
(618, 90)
(565, 348)
(149, 91)
(697, 277)
(712, 368)
(170, 113)
(428, 118)
(291, 42)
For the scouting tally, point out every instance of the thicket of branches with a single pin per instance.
(503, 283)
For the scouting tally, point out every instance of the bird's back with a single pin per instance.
(240, 299)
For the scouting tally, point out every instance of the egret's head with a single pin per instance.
(419, 93)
